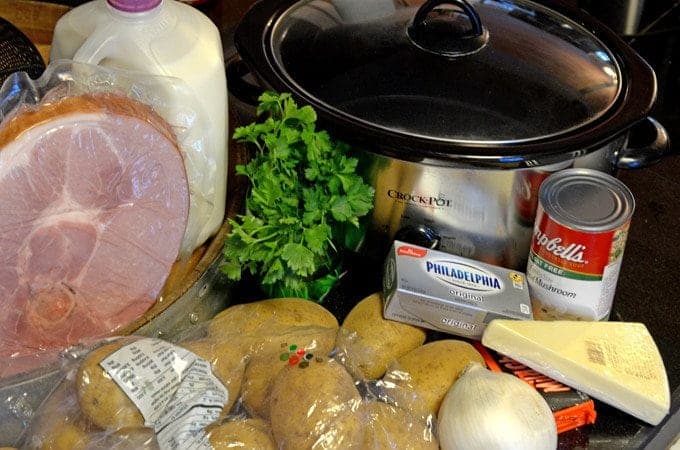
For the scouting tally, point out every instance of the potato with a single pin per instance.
(315, 407)
(228, 364)
(59, 423)
(369, 342)
(245, 324)
(101, 400)
(388, 426)
(66, 436)
(257, 382)
(274, 353)
(317, 340)
(423, 376)
(248, 434)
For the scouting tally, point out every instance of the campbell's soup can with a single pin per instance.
(525, 186)
(577, 245)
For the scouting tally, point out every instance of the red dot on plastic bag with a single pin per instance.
(300, 351)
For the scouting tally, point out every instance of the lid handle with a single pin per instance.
(442, 34)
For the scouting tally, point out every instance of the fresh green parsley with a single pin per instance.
(303, 206)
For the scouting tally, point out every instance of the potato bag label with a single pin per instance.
(173, 388)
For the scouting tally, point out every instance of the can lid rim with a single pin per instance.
(611, 210)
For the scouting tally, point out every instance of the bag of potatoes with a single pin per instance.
(270, 374)
(139, 393)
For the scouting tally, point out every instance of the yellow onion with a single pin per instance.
(488, 410)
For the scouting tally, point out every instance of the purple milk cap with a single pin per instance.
(133, 5)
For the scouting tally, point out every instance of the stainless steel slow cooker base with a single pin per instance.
(482, 214)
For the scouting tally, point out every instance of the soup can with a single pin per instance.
(577, 245)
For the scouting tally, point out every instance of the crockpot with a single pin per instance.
(457, 110)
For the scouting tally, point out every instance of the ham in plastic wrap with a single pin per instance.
(94, 204)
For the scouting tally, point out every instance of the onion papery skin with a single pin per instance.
(487, 410)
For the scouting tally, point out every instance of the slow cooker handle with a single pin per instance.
(441, 37)
(648, 143)
(242, 90)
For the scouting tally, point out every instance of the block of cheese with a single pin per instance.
(615, 362)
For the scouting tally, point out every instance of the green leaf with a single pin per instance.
(244, 132)
(275, 272)
(360, 198)
(334, 186)
(299, 259)
(232, 269)
(353, 236)
(304, 202)
(316, 238)
(320, 287)
(290, 287)
(341, 209)
(306, 114)
(270, 103)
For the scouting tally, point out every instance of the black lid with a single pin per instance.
(484, 80)
(530, 73)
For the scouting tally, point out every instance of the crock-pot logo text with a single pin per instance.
(463, 276)
(417, 199)
(572, 252)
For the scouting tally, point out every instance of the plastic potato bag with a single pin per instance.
(259, 376)
(138, 392)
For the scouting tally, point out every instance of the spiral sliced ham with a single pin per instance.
(93, 206)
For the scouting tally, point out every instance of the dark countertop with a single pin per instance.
(647, 285)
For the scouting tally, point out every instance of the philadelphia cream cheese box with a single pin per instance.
(449, 293)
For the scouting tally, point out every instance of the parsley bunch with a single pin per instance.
(303, 206)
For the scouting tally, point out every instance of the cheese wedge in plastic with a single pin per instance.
(615, 362)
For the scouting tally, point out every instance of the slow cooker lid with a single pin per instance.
(486, 71)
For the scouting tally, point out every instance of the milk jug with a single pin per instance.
(170, 39)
